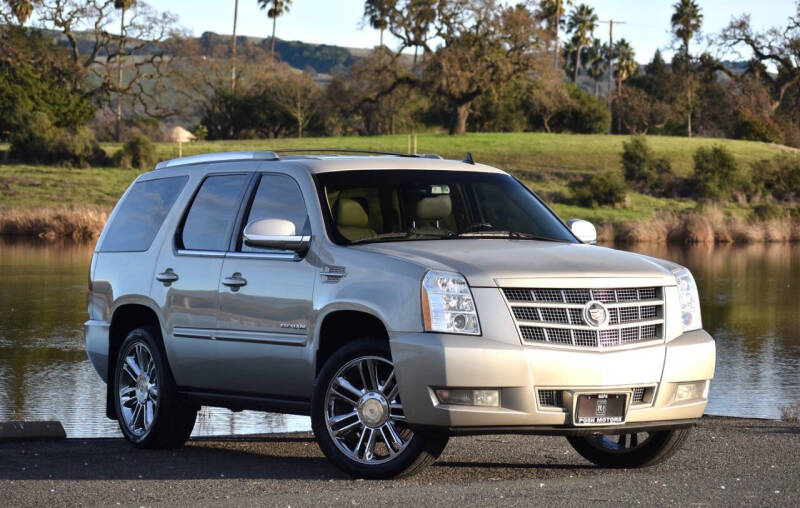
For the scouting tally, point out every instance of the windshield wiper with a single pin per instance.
(514, 235)
(400, 234)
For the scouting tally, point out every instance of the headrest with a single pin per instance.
(434, 208)
(349, 213)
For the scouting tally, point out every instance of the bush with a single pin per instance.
(585, 114)
(716, 173)
(599, 189)
(38, 140)
(778, 177)
(139, 152)
(768, 211)
(758, 129)
(638, 162)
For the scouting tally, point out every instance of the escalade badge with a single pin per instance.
(595, 314)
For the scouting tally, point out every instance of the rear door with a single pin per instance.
(265, 302)
(187, 276)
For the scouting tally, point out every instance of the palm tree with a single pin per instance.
(597, 56)
(21, 9)
(275, 9)
(626, 63)
(233, 46)
(122, 5)
(686, 21)
(582, 22)
(551, 11)
(377, 13)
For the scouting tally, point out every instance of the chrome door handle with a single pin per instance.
(167, 277)
(235, 281)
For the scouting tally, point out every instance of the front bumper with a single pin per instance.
(426, 361)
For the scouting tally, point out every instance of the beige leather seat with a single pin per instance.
(351, 219)
(430, 212)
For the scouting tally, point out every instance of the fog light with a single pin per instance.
(690, 391)
(463, 397)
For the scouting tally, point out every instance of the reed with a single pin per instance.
(78, 223)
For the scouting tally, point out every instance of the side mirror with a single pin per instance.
(275, 234)
(584, 230)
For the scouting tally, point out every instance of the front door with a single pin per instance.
(187, 278)
(265, 302)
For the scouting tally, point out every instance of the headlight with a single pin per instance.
(447, 304)
(688, 299)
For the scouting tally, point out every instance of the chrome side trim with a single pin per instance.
(277, 338)
(200, 253)
(281, 339)
(282, 256)
(193, 333)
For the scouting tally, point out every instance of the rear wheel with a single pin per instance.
(149, 411)
(358, 418)
(631, 450)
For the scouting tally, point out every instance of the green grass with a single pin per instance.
(510, 151)
(532, 156)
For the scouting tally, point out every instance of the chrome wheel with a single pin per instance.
(138, 389)
(621, 443)
(363, 412)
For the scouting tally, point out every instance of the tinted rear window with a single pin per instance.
(141, 214)
(210, 219)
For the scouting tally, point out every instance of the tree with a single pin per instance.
(377, 13)
(552, 13)
(21, 9)
(275, 9)
(547, 98)
(581, 24)
(597, 60)
(299, 96)
(686, 21)
(626, 67)
(94, 54)
(233, 46)
(122, 6)
(480, 46)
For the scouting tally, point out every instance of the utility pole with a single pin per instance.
(609, 94)
(233, 47)
(558, 21)
(118, 126)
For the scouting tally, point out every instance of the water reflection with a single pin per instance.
(750, 297)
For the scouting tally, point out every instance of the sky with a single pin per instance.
(339, 22)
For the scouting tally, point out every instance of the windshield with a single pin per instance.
(397, 205)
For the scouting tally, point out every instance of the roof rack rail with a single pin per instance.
(218, 157)
(350, 150)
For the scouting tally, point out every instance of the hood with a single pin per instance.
(483, 262)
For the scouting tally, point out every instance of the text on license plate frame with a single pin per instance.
(600, 408)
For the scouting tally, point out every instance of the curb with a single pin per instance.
(29, 431)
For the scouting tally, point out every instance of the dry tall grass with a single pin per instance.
(709, 225)
(76, 223)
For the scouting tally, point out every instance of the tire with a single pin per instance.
(149, 411)
(627, 451)
(375, 416)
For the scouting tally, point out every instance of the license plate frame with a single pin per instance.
(600, 409)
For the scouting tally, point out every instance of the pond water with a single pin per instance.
(750, 299)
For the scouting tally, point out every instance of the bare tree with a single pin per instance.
(141, 49)
(299, 97)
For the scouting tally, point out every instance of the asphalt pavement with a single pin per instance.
(725, 462)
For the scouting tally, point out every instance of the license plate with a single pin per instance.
(602, 408)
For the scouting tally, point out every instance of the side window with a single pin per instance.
(210, 219)
(277, 197)
(141, 214)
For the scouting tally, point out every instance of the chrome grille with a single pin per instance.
(555, 316)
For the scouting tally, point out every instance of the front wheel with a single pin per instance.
(357, 415)
(632, 450)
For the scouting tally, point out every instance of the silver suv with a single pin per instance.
(397, 300)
